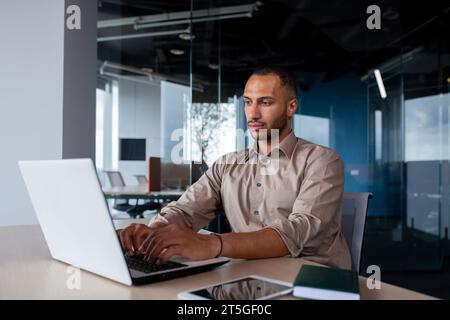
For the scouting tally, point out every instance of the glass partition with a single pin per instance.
(172, 74)
(144, 67)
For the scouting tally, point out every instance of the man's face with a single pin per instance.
(268, 105)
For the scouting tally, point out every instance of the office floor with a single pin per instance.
(409, 259)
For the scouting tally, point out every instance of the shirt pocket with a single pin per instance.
(280, 201)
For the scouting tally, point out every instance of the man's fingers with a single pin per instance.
(158, 246)
(126, 239)
(150, 247)
(146, 239)
(169, 253)
(118, 232)
(140, 233)
(145, 243)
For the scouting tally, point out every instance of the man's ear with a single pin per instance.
(292, 107)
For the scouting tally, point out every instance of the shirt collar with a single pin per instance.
(286, 146)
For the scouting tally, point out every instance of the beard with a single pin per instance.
(279, 124)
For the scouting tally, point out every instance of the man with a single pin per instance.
(287, 205)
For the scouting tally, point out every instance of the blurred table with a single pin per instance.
(141, 192)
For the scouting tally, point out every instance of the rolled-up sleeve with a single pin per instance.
(198, 205)
(315, 215)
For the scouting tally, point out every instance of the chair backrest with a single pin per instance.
(175, 176)
(115, 178)
(197, 170)
(141, 179)
(354, 212)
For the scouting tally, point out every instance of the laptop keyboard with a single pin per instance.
(138, 263)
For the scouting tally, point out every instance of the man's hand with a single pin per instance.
(166, 241)
(132, 237)
(170, 240)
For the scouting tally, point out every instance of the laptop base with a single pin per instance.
(151, 278)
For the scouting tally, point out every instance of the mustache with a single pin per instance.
(256, 122)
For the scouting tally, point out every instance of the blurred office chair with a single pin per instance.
(354, 212)
(134, 210)
(116, 180)
(141, 179)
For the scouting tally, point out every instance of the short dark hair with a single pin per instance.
(287, 79)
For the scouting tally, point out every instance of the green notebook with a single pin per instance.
(323, 283)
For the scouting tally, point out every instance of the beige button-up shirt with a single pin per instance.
(296, 191)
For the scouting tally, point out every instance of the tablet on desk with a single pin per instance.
(245, 288)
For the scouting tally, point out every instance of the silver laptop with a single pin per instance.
(77, 225)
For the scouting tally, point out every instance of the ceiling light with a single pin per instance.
(213, 66)
(177, 52)
(380, 83)
(186, 36)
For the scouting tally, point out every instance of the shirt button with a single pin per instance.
(265, 162)
(256, 212)
(258, 184)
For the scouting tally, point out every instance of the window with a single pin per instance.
(426, 128)
(314, 129)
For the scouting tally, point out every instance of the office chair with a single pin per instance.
(141, 179)
(354, 212)
(134, 210)
(197, 170)
(116, 180)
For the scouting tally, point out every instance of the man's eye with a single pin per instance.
(247, 103)
(266, 103)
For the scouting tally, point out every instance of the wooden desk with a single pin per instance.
(28, 272)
